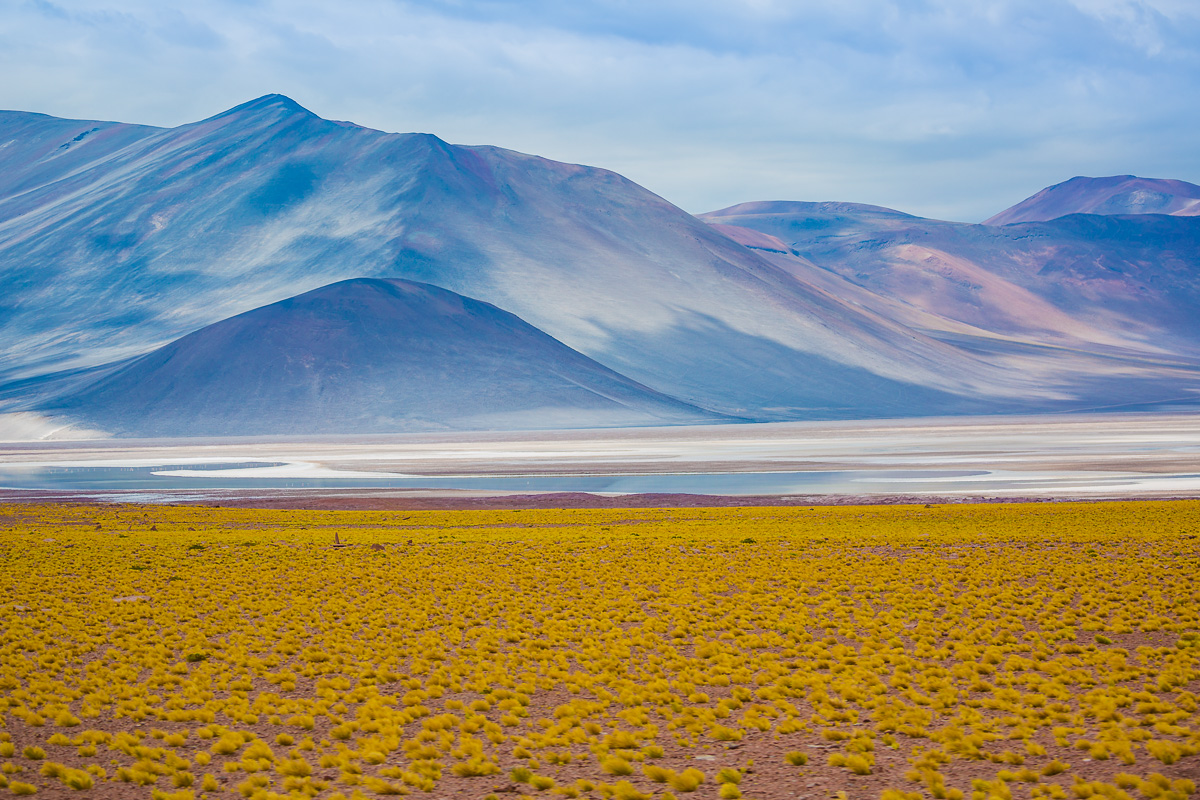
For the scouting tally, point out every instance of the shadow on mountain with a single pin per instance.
(366, 356)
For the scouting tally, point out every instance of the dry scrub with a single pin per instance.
(1000, 651)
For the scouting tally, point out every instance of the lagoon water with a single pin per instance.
(165, 478)
(1135, 455)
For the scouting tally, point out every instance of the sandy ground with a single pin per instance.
(1047, 457)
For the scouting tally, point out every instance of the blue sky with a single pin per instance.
(948, 108)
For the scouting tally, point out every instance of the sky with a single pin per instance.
(954, 109)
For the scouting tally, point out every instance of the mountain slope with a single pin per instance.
(367, 356)
(1102, 307)
(1119, 194)
(186, 226)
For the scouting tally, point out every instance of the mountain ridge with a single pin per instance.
(134, 238)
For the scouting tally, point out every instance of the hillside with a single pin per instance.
(365, 355)
(1103, 306)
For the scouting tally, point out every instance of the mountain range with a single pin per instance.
(269, 271)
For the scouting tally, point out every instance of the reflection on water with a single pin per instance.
(110, 478)
(147, 483)
(142, 478)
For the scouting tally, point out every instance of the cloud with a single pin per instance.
(953, 108)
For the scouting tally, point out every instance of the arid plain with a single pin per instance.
(1047, 650)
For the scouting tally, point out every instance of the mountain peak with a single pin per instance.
(1115, 194)
(272, 101)
(269, 104)
(803, 207)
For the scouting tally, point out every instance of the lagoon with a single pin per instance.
(1132, 455)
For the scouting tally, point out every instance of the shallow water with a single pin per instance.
(1095, 455)
(148, 481)
(209, 476)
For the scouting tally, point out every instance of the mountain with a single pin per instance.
(1101, 307)
(118, 242)
(364, 355)
(1119, 194)
(128, 241)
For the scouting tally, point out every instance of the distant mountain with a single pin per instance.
(1102, 308)
(1119, 194)
(363, 355)
(118, 240)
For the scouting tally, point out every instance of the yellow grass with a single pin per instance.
(986, 650)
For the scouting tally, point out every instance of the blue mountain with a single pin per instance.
(364, 355)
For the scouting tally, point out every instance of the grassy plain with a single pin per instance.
(983, 651)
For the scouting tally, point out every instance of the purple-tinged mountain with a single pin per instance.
(110, 251)
(1101, 307)
(1119, 194)
(37, 149)
(367, 356)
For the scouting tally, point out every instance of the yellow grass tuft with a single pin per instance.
(623, 648)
